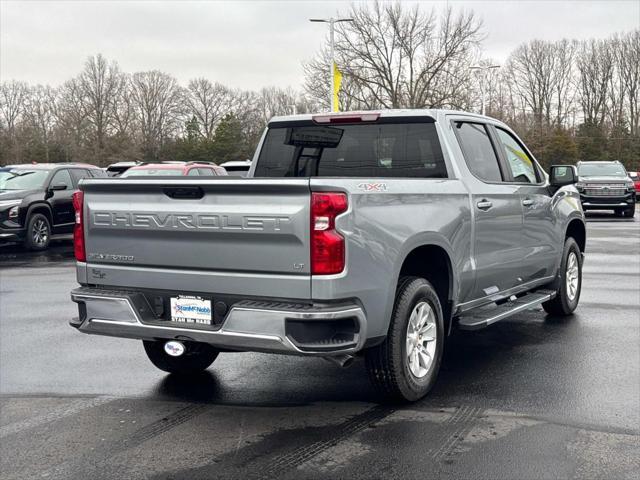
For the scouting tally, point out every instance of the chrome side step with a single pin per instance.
(484, 316)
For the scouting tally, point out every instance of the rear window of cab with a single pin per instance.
(354, 150)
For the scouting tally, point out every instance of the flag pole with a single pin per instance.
(333, 107)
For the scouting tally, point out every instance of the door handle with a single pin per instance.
(527, 202)
(484, 204)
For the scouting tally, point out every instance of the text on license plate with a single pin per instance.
(190, 309)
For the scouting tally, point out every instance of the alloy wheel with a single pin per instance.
(572, 275)
(40, 232)
(421, 339)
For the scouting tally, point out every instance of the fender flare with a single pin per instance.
(425, 239)
(39, 205)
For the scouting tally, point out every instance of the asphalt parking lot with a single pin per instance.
(529, 397)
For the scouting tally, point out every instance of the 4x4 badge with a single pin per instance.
(373, 187)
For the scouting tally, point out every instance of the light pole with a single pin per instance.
(484, 69)
(331, 21)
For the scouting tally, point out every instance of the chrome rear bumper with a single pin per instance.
(247, 326)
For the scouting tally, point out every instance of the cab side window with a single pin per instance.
(193, 172)
(79, 173)
(62, 176)
(478, 151)
(520, 163)
(206, 172)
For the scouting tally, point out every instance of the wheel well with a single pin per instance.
(40, 209)
(577, 231)
(433, 264)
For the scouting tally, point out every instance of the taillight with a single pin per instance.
(327, 245)
(78, 227)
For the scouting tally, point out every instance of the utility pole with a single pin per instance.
(485, 70)
(331, 21)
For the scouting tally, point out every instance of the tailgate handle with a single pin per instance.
(184, 193)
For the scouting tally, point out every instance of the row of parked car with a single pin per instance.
(36, 199)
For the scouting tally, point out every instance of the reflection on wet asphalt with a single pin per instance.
(529, 397)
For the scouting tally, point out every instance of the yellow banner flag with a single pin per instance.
(337, 81)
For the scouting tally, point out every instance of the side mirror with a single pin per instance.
(58, 186)
(562, 175)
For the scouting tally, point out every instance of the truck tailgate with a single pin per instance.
(219, 235)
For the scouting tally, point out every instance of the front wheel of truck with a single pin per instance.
(405, 366)
(569, 282)
(196, 358)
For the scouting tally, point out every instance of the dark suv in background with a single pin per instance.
(35, 201)
(606, 186)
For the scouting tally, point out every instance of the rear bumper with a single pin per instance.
(248, 326)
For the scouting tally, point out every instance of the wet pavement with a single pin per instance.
(529, 397)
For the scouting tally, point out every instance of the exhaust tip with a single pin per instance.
(343, 361)
(174, 348)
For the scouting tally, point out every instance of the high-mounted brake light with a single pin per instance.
(78, 227)
(327, 245)
(347, 118)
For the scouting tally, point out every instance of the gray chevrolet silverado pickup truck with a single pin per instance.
(360, 233)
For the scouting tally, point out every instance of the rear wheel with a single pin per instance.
(38, 232)
(405, 366)
(196, 357)
(569, 281)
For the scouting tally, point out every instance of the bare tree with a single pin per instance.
(41, 114)
(564, 52)
(629, 70)
(73, 127)
(595, 65)
(13, 96)
(542, 74)
(158, 100)
(394, 56)
(208, 103)
(100, 85)
(531, 67)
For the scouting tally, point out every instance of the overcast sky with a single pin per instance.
(246, 44)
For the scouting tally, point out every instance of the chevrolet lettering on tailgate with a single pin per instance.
(189, 221)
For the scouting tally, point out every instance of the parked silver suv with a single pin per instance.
(360, 233)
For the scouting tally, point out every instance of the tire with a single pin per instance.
(38, 233)
(196, 358)
(567, 298)
(631, 211)
(390, 370)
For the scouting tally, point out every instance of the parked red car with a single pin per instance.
(635, 176)
(170, 169)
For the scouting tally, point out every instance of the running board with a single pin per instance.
(485, 316)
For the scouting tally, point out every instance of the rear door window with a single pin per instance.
(205, 172)
(62, 176)
(478, 151)
(355, 150)
(78, 174)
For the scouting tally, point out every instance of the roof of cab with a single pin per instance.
(436, 114)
